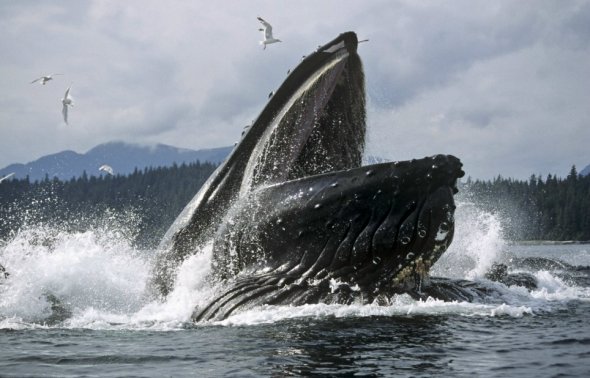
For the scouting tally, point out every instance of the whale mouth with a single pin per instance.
(292, 215)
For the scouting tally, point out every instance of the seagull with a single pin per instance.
(45, 79)
(268, 38)
(66, 101)
(107, 168)
(7, 176)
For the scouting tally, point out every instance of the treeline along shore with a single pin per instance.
(550, 208)
(142, 204)
(147, 201)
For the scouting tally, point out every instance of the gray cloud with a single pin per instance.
(502, 84)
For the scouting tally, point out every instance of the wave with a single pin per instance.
(97, 279)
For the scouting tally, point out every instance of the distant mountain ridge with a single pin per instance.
(585, 171)
(122, 157)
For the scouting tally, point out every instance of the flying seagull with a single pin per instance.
(7, 176)
(107, 168)
(66, 101)
(268, 38)
(45, 79)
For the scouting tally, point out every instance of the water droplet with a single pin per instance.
(376, 260)
(279, 220)
(334, 184)
(369, 172)
(422, 233)
(410, 256)
(405, 240)
(444, 227)
(317, 206)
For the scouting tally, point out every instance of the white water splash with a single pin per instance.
(82, 269)
(554, 289)
(477, 244)
(102, 282)
(94, 279)
(402, 305)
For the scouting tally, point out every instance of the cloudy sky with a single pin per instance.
(504, 85)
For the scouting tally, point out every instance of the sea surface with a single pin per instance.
(76, 304)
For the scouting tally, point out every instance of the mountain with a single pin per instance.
(122, 157)
(585, 171)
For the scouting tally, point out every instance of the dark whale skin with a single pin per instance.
(376, 229)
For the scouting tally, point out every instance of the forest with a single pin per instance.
(536, 209)
(142, 205)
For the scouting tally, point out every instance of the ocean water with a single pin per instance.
(76, 304)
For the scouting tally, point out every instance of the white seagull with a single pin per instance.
(107, 168)
(45, 79)
(7, 176)
(268, 38)
(66, 101)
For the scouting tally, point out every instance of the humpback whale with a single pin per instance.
(293, 217)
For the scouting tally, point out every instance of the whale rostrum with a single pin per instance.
(293, 217)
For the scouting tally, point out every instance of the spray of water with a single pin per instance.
(98, 279)
(477, 244)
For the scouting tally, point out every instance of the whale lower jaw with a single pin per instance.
(355, 236)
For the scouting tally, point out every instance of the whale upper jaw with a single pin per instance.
(314, 123)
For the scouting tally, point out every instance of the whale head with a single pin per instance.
(293, 216)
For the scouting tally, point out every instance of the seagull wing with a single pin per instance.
(36, 80)
(64, 111)
(268, 32)
(67, 95)
(264, 23)
(267, 28)
(107, 168)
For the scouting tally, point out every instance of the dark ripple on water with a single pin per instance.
(549, 344)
